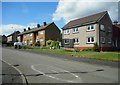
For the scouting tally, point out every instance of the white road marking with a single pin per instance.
(56, 78)
(22, 76)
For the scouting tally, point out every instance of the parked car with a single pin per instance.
(18, 45)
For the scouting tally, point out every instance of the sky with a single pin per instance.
(20, 15)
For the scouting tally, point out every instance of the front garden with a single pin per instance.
(52, 47)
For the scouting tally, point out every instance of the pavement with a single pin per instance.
(10, 75)
(41, 68)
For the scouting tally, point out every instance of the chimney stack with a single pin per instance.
(28, 28)
(44, 23)
(24, 30)
(38, 25)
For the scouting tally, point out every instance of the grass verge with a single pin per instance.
(107, 56)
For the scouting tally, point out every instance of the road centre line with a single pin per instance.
(76, 76)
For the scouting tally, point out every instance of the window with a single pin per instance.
(31, 40)
(76, 40)
(109, 40)
(41, 39)
(66, 31)
(25, 41)
(75, 30)
(66, 41)
(109, 29)
(90, 40)
(30, 34)
(102, 28)
(41, 32)
(102, 40)
(90, 28)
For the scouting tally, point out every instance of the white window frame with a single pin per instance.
(41, 39)
(25, 41)
(102, 27)
(90, 26)
(91, 39)
(109, 29)
(75, 30)
(41, 32)
(31, 34)
(109, 40)
(67, 31)
(102, 39)
(30, 40)
(76, 39)
(67, 42)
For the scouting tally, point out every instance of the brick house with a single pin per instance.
(40, 33)
(116, 37)
(13, 37)
(82, 33)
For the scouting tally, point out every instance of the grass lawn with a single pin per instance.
(111, 56)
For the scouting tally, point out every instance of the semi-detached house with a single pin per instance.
(40, 33)
(82, 33)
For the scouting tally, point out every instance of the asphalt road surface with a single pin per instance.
(39, 68)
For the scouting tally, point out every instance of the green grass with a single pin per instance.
(109, 56)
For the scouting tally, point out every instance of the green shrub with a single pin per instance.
(95, 48)
(52, 44)
(37, 43)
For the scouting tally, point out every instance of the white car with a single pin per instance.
(19, 44)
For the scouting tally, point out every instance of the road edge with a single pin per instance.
(22, 75)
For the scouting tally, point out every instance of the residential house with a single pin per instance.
(40, 33)
(13, 37)
(116, 37)
(82, 33)
(4, 38)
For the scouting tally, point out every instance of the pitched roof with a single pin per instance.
(14, 33)
(35, 29)
(85, 20)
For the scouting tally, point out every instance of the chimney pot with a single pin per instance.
(44, 23)
(28, 28)
(38, 25)
(24, 29)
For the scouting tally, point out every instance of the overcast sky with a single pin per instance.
(60, 12)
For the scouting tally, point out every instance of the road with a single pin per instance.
(39, 68)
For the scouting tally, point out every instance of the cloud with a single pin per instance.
(7, 29)
(10, 28)
(76, 9)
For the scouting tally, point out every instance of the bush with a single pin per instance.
(95, 48)
(37, 43)
(52, 44)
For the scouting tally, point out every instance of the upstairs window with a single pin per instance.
(102, 28)
(66, 31)
(75, 30)
(90, 28)
(90, 40)
(41, 32)
(109, 29)
(76, 40)
(30, 34)
(41, 39)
